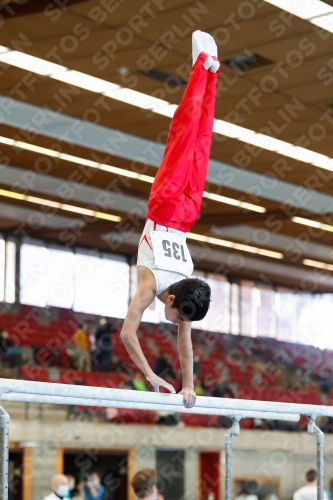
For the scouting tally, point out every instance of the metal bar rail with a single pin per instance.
(313, 429)
(69, 400)
(4, 431)
(243, 405)
(42, 392)
(233, 431)
(46, 388)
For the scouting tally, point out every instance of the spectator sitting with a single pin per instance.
(223, 421)
(199, 386)
(93, 354)
(144, 484)
(104, 344)
(93, 490)
(219, 388)
(139, 383)
(10, 350)
(60, 488)
(162, 368)
(73, 410)
(127, 385)
(228, 392)
(81, 343)
(326, 425)
(325, 387)
(309, 492)
(5, 343)
(166, 418)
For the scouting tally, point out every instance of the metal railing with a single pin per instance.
(235, 409)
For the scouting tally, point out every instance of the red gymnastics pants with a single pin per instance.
(176, 194)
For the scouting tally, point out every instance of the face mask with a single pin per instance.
(95, 482)
(62, 490)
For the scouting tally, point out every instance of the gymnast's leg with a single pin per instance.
(198, 172)
(168, 203)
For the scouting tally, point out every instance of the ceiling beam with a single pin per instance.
(293, 247)
(69, 191)
(248, 217)
(14, 9)
(238, 218)
(36, 219)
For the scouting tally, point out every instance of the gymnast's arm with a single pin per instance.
(185, 350)
(142, 299)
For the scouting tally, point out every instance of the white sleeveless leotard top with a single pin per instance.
(146, 258)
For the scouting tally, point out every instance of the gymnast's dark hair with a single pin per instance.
(192, 298)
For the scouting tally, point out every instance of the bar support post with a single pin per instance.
(4, 452)
(233, 431)
(314, 430)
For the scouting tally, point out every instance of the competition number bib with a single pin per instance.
(171, 252)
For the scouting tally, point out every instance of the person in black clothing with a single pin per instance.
(324, 385)
(219, 388)
(162, 368)
(10, 351)
(5, 343)
(76, 411)
(222, 390)
(104, 344)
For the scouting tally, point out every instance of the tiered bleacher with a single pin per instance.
(261, 369)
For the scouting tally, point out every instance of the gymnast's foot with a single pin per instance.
(196, 45)
(203, 42)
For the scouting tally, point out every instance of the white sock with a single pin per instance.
(210, 47)
(196, 45)
(203, 42)
(211, 64)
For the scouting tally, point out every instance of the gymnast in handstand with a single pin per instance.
(164, 265)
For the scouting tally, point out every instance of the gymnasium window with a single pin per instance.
(249, 303)
(286, 314)
(266, 321)
(84, 281)
(218, 316)
(101, 284)
(2, 269)
(321, 320)
(314, 320)
(46, 276)
(7, 270)
(234, 309)
(10, 271)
